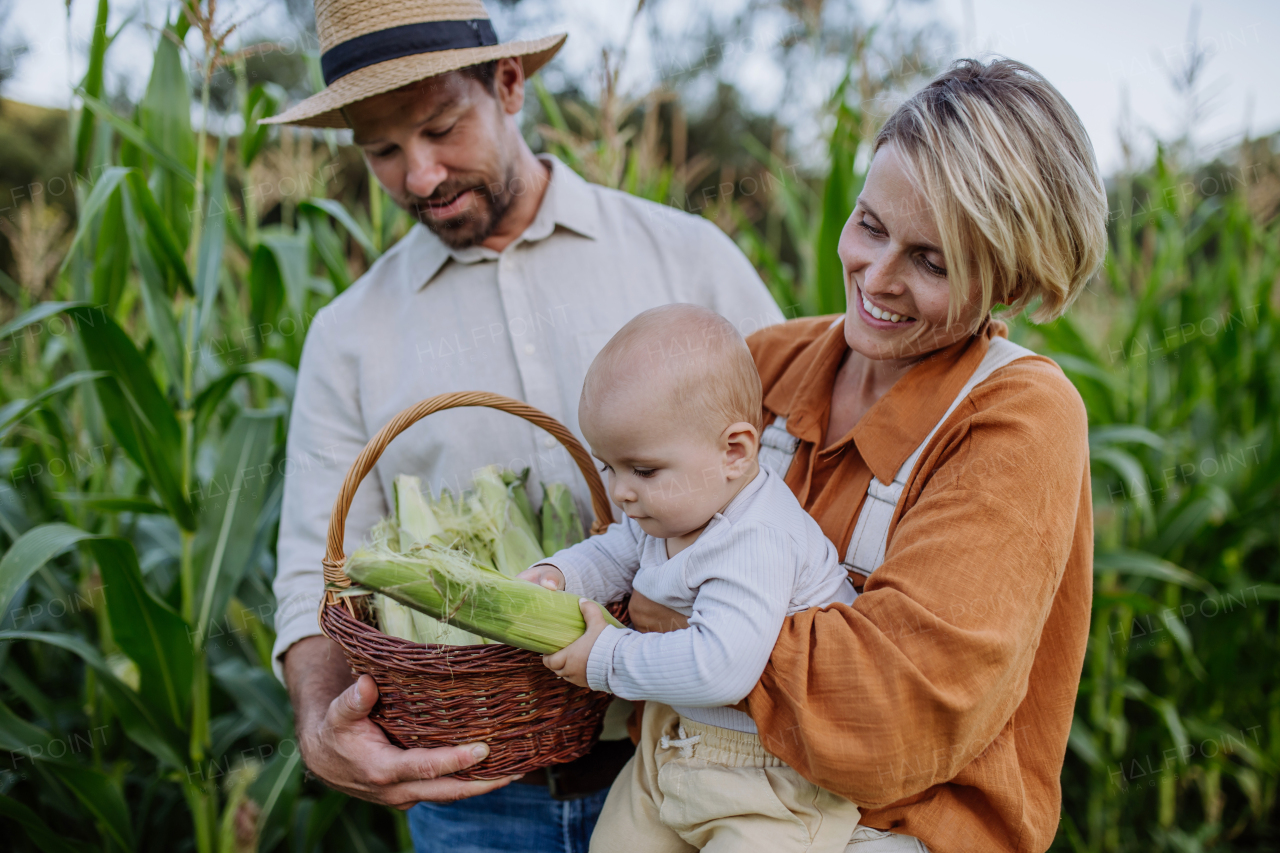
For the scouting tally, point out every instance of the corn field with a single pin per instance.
(149, 341)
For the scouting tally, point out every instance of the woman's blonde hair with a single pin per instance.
(1014, 183)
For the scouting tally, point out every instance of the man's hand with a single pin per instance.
(570, 663)
(650, 617)
(543, 574)
(347, 750)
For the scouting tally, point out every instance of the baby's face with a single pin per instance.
(666, 473)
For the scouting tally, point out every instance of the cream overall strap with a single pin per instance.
(777, 446)
(870, 535)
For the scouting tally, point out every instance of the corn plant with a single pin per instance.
(146, 440)
(1174, 744)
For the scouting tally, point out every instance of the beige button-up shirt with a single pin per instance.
(524, 322)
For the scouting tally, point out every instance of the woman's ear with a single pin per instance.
(740, 443)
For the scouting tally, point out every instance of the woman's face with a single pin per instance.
(892, 256)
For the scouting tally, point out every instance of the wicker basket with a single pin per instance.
(444, 695)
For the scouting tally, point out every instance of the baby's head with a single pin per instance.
(671, 406)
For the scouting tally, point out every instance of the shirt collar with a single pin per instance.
(901, 419)
(569, 202)
(737, 505)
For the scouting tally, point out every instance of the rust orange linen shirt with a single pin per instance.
(941, 700)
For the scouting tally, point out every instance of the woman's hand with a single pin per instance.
(543, 574)
(650, 617)
(570, 663)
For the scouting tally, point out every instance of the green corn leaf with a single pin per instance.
(1143, 565)
(1204, 506)
(93, 85)
(150, 632)
(108, 182)
(140, 417)
(1134, 477)
(30, 553)
(226, 540)
(147, 726)
(284, 377)
(15, 410)
(101, 797)
(159, 231)
(155, 300)
(1182, 639)
(262, 102)
(134, 134)
(340, 214)
(212, 238)
(315, 825)
(41, 834)
(292, 256)
(147, 630)
(258, 694)
(164, 117)
(1084, 744)
(111, 503)
(1101, 436)
(1074, 365)
(275, 790)
(38, 314)
(329, 248)
(111, 255)
(266, 292)
(22, 737)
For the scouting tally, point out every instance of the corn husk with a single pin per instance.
(416, 524)
(561, 526)
(517, 489)
(447, 585)
(512, 534)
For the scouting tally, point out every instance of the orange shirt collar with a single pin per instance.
(899, 420)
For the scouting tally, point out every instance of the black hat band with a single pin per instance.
(407, 40)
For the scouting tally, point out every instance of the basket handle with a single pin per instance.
(334, 557)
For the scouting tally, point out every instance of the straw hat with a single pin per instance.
(368, 47)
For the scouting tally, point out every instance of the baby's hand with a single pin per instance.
(543, 574)
(570, 663)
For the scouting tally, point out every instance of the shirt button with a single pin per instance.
(530, 349)
(550, 441)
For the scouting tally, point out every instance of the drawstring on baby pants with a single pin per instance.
(684, 743)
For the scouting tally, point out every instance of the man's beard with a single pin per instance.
(490, 202)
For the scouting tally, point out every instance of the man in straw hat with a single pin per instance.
(515, 276)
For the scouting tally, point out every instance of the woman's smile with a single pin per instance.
(876, 316)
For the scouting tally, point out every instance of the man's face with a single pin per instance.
(442, 149)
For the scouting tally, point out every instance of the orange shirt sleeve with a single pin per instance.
(897, 693)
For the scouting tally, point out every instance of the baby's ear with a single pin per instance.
(741, 445)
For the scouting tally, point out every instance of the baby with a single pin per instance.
(671, 407)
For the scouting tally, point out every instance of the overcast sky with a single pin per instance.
(1094, 51)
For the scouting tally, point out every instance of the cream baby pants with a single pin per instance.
(691, 786)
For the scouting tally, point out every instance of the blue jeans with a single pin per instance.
(515, 819)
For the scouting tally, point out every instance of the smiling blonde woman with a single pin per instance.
(951, 468)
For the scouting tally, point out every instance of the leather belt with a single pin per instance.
(583, 776)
